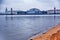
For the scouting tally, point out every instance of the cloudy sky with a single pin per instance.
(28, 4)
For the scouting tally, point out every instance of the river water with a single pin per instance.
(17, 27)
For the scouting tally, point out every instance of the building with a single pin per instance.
(14, 12)
(54, 11)
(11, 12)
(44, 12)
(21, 13)
(34, 11)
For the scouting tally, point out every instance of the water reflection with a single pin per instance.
(9, 17)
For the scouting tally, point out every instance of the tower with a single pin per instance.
(54, 10)
(6, 10)
(11, 11)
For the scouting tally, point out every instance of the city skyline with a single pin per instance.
(28, 4)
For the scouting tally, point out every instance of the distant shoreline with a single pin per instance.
(32, 15)
(29, 14)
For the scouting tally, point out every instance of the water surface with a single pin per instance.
(24, 27)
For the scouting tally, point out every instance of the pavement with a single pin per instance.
(52, 34)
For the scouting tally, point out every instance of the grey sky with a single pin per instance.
(27, 4)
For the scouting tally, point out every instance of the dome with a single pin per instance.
(34, 9)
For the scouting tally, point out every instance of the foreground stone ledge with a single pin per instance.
(52, 34)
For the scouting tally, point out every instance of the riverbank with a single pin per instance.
(52, 34)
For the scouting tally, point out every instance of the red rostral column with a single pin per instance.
(54, 10)
(54, 14)
(6, 10)
(11, 11)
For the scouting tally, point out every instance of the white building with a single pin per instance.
(10, 12)
(57, 11)
(13, 12)
(52, 11)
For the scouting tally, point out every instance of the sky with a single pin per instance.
(28, 4)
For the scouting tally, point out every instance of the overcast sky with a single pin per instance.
(28, 4)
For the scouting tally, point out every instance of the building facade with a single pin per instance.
(53, 11)
(34, 11)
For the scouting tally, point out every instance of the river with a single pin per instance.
(17, 27)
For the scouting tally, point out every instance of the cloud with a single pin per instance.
(0, 1)
(27, 4)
